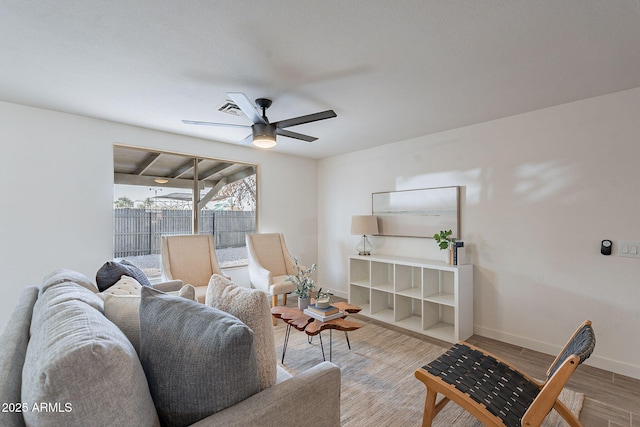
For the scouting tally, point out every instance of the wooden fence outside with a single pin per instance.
(139, 231)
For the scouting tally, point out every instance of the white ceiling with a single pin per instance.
(391, 70)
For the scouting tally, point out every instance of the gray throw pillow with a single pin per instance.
(79, 361)
(198, 360)
(112, 271)
(12, 356)
(124, 310)
(65, 275)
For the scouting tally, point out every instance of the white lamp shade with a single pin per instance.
(364, 224)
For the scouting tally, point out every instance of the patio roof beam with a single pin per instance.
(212, 193)
(127, 179)
(146, 163)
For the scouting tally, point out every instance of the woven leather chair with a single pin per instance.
(497, 393)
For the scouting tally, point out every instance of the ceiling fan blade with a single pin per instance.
(192, 122)
(247, 140)
(247, 107)
(306, 119)
(295, 135)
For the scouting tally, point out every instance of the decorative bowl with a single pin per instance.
(323, 302)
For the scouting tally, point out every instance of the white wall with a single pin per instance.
(56, 190)
(539, 192)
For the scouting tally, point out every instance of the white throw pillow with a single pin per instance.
(124, 310)
(251, 306)
(125, 286)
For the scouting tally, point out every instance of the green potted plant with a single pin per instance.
(445, 241)
(304, 283)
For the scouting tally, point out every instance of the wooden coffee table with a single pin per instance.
(312, 327)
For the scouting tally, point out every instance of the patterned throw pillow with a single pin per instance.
(218, 370)
(125, 286)
(112, 271)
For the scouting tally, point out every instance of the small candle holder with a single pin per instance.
(323, 300)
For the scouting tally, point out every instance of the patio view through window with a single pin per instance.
(153, 197)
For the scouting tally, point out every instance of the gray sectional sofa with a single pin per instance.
(63, 362)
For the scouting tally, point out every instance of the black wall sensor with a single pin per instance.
(605, 247)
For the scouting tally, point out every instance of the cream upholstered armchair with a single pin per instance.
(270, 264)
(192, 259)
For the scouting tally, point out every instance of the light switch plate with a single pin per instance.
(629, 249)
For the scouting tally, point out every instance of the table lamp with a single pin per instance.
(362, 225)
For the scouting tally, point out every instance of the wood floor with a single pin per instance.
(611, 400)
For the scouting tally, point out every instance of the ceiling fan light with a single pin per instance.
(264, 136)
(264, 142)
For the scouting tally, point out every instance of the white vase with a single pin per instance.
(448, 255)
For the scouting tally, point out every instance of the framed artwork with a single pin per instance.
(417, 213)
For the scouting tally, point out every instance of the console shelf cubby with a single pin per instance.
(429, 297)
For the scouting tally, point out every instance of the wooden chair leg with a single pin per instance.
(274, 303)
(429, 408)
(566, 414)
(284, 299)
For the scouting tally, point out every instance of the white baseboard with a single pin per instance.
(340, 294)
(606, 363)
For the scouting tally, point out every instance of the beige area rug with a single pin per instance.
(378, 385)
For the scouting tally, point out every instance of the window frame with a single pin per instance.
(134, 165)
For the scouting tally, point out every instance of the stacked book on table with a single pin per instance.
(323, 314)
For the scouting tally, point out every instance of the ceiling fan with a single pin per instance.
(263, 133)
